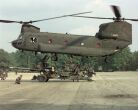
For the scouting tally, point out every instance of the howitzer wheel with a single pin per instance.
(47, 79)
(42, 78)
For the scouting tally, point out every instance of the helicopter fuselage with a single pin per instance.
(112, 37)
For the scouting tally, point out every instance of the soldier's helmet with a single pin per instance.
(21, 76)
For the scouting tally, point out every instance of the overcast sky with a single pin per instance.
(26, 10)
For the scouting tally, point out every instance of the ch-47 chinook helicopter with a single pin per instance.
(111, 37)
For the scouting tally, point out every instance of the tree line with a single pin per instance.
(121, 61)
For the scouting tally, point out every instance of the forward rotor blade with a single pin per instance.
(10, 21)
(92, 17)
(23, 22)
(58, 17)
(116, 11)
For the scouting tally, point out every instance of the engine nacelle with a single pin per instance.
(115, 30)
(29, 28)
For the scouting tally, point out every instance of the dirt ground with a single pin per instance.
(108, 91)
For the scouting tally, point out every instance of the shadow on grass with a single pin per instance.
(45, 106)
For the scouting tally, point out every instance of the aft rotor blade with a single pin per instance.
(58, 17)
(130, 19)
(92, 17)
(116, 11)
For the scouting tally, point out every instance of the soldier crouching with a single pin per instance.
(34, 77)
(18, 80)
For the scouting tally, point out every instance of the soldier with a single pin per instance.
(18, 80)
(76, 73)
(34, 77)
(91, 72)
(2, 76)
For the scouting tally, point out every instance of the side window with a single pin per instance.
(33, 39)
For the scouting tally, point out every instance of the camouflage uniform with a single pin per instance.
(2, 76)
(76, 73)
(90, 72)
(18, 80)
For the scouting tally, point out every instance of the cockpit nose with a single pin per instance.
(16, 44)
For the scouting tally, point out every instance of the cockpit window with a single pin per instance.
(20, 37)
(33, 39)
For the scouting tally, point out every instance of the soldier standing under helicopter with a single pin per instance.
(76, 73)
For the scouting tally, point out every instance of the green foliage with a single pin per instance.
(26, 59)
(133, 64)
(4, 58)
(124, 60)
